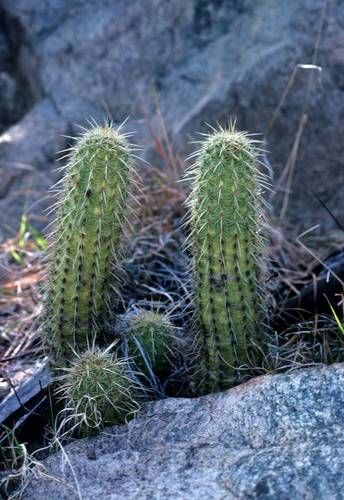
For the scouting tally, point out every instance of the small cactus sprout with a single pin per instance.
(227, 246)
(91, 213)
(97, 391)
(149, 339)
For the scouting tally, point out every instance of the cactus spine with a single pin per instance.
(91, 214)
(226, 219)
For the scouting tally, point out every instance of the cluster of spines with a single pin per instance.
(97, 391)
(227, 247)
(90, 215)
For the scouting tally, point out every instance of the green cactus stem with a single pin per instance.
(91, 213)
(149, 339)
(97, 392)
(227, 248)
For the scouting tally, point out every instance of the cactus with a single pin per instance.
(91, 213)
(227, 246)
(150, 339)
(97, 391)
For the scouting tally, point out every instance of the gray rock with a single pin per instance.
(279, 436)
(13, 104)
(25, 180)
(209, 60)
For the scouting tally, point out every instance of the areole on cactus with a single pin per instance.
(227, 248)
(90, 216)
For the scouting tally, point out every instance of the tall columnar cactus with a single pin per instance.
(227, 246)
(91, 213)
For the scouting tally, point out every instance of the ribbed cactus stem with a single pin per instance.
(91, 213)
(227, 246)
(97, 391)
(149, 339)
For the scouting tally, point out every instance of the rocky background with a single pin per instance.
(191, 62)
(63, 61)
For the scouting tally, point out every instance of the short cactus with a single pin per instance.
(227, 247)
(91, 214)
(97, 391)
(149, 340)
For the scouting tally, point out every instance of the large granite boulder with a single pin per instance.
(275, 437)
(204, 60)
